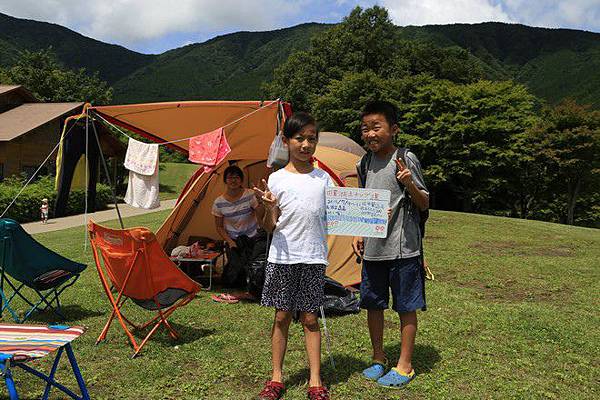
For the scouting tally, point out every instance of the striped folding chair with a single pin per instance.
(20, 344)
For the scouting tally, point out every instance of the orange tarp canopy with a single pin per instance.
(166, 122)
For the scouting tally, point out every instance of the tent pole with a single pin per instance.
(327, 337)
(87, 172)
(112, 189)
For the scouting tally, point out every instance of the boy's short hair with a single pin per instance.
(233, 170)
(297, 122)
(385, 108)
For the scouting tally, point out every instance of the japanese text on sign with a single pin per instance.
(357, 212)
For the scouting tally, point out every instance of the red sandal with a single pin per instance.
(272, 391)
(318, 393)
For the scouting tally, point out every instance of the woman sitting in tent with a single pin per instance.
(236, 214)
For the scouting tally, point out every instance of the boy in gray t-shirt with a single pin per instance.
(393, 262)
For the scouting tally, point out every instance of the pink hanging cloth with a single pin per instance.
(209, 149)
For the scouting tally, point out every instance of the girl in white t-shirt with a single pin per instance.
(294, 201)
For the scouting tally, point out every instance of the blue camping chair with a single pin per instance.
(26, 263)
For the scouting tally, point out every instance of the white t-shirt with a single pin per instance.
(300, 236)
(238, 216)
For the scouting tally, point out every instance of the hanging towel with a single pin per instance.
(142, 162)
(209, 149)
(141, 157)
(142, 190)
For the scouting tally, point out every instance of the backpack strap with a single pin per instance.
(361, 169)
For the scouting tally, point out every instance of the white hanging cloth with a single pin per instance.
(141, 160)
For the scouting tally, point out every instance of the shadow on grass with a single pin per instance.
(72, 312)
(166, 188)
(187, 334)
(424, 359)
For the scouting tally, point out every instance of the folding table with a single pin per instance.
(207, 258)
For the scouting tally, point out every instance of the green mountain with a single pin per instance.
(73, 50)
(227, 67)
(553, 63)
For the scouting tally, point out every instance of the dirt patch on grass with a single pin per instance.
(528, 289)
(503, 248)
(559, 251)
(514, 291)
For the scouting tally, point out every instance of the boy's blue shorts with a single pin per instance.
(406, 278)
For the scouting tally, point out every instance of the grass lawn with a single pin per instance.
(513, 314)
(173, 177)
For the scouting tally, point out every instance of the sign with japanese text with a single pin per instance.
(357, 212)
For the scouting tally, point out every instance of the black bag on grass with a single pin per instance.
(256, 276)
(339, 300)
(255, 270)
(234, 272)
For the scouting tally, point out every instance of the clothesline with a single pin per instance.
(191, 137)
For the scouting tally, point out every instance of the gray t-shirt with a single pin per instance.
(404, 237)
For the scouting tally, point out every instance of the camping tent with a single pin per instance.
(250, 127)
(340, 142)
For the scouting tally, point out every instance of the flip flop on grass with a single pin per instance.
(224, 298)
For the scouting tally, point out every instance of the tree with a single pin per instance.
(464, 136)
(568, 142)
(41, 73)
(338, 109)
(4, 77)
(365, 42)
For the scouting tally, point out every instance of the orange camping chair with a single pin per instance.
(139, 270)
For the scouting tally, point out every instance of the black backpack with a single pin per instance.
(362, 179)
(256, 276)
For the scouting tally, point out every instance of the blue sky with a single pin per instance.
(153, 26)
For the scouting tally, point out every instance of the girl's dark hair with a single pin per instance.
(385, 108)
(297, 122)
(233, 170)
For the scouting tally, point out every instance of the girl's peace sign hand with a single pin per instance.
(265, 196)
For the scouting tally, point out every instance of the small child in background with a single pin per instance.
(44, 211)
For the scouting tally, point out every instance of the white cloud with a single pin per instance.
(427, 12)
(576, 14)
(131, 21)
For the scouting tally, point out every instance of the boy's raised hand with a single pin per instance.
(265, 196)
(403, 175)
